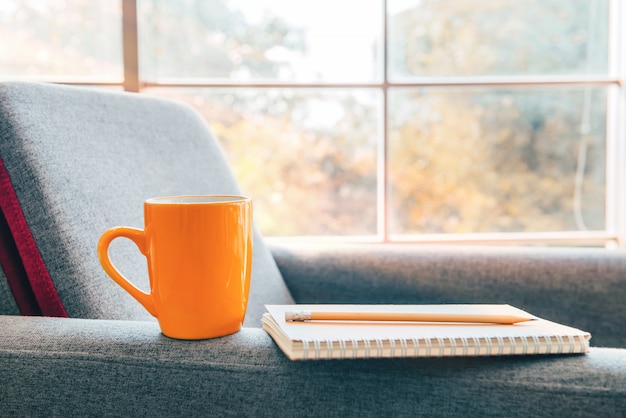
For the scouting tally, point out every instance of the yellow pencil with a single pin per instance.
(300, 316)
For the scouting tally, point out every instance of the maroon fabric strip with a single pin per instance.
(15, 273)
(27, 275)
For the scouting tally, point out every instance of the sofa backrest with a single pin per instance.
(75, 162)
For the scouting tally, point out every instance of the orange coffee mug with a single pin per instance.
(199, 253)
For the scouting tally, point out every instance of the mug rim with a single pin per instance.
(208, 199)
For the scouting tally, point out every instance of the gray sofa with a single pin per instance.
(75, 162)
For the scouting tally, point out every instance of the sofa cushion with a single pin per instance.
(25, 272)
(80, 161)
(581, 287)
(142, 373)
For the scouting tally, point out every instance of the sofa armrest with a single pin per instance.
(75, 367)
(581, 287)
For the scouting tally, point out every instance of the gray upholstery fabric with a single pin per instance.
(82, 161)
(581, 287)
(7, 302)
(73, 367)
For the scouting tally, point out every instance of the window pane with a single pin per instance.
(517, 160)
(70, 38)
(307, 158)
(507, 37)
(280, 40)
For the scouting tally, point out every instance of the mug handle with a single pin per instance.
(138, 236)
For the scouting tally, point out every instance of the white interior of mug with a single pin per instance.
(197, 199)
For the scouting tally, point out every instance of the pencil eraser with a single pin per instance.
(297, 316)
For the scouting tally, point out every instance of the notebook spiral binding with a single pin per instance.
(443, 347)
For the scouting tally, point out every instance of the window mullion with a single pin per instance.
(616, 124)
(130, 45)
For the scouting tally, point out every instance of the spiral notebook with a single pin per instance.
(347, 339)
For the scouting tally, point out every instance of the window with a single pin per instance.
(371, 120)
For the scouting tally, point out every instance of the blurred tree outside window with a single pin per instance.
(385, 120)
(61, 39)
